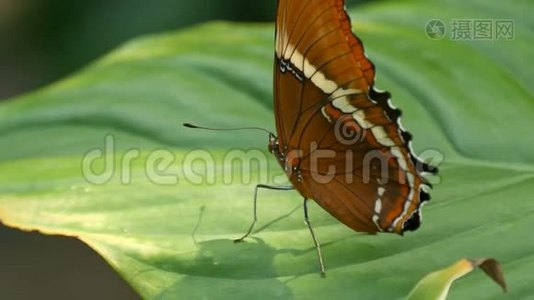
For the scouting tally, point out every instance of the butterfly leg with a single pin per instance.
(255, 219)
(315, 241)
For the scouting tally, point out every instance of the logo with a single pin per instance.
(435, 29)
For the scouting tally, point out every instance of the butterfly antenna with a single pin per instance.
(189, 125)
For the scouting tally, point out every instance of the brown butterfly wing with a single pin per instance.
(339, 139)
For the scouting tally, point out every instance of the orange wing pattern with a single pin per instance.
(339, 139)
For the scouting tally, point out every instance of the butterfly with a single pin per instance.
(339, 139)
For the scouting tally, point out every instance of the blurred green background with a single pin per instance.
(42, 41)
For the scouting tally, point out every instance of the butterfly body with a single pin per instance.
(338, 138)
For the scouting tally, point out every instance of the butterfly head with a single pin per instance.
(274, 146)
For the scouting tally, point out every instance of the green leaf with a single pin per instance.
(470, 100)
(436, 285)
